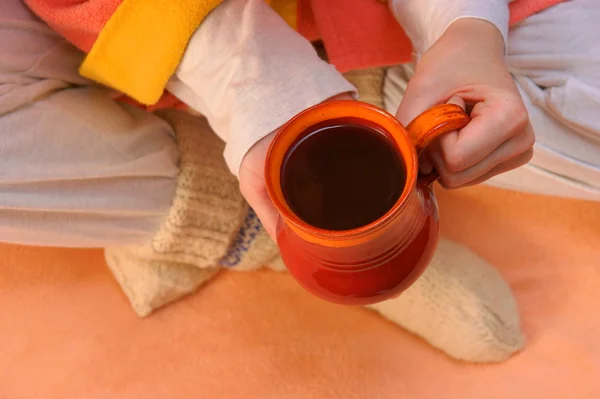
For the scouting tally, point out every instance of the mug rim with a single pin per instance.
(332, 110)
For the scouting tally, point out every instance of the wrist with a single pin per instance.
(425, 22)
(477, 35)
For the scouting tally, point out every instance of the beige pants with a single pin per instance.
(80, 170)
(77, 169)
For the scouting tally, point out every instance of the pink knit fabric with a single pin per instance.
(79, 21)
(363, 33)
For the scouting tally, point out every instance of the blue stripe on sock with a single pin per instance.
(243, 241)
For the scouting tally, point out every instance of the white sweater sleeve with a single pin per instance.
(426, 20)
(248, 72)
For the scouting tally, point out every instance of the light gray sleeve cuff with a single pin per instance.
(248, 72)
(424, 21)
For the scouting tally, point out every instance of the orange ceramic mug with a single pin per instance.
(379, 260)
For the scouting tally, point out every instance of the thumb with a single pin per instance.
(416, 101)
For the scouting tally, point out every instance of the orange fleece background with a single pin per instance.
(66, 330)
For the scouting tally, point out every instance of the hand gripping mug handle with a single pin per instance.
(437, 120)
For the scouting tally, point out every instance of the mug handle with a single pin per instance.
(437, 120)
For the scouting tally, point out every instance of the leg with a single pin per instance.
(554, 57)
(208, 226)
(78, 169)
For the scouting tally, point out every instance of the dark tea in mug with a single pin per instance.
(342, 174)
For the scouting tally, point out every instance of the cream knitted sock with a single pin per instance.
(369, 83)
(460, 305)
(150, 283)
(209, 226)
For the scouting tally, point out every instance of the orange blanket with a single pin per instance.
(66, 330)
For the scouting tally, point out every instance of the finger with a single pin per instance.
(493, 122)
(449, 139)
(415, 101)
(508, 150)
(267, 213)
(503, 168)
(258, 198)
(456, 100)
(252, 185)
(512, 164)
(425, 164)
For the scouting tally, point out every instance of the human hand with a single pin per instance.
(466, 66)
(252, 180)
